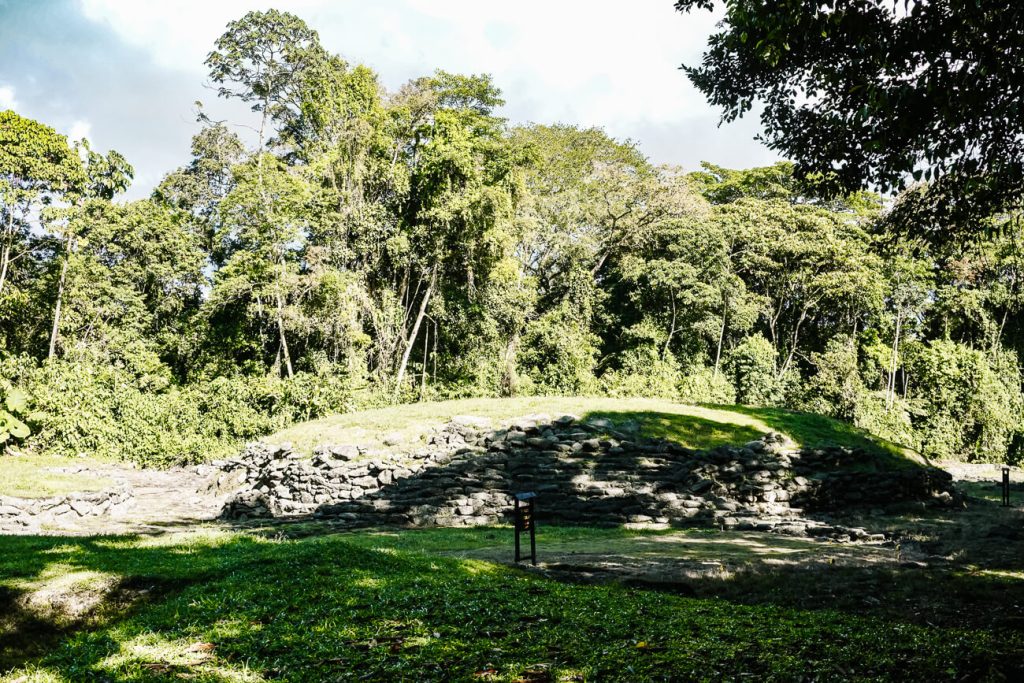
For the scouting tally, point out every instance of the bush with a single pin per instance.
(643, 374)
(835, 389)
(702, 385)
(971, 401)
(103, 411)
(559, 355)
(751, 365)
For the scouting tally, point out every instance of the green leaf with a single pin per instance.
(16, 400)
(18, 429)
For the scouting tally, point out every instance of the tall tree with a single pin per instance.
(37, 167)
(876, 93)
(105, 177)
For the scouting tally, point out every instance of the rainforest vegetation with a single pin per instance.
(364, 247)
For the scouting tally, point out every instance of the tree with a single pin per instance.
(199, 188)
(105, 177)
(37, 167)
(263, 222)
(458, 214)
(874, 93)
(260, 59)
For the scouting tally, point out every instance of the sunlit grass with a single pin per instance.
(225, 606)
(35, 476)
(698, 427)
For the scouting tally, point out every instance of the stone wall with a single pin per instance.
(583, 472)
(30, 514)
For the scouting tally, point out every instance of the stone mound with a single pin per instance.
(584, 472)
(30, 514)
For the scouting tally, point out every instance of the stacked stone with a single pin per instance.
(27, 514)
(583, 472)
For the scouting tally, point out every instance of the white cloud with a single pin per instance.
(177, 33)
(605, 63)
(592, 62)
(7, 100)
(79, 130)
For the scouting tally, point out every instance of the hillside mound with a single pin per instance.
(585, 471)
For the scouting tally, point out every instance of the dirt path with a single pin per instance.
(160, 500)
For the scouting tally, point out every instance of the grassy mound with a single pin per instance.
(693, 426)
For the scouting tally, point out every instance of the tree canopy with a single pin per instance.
(374, 246)
(879, 94)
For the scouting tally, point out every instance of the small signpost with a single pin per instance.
(1006, 487)
(524, 521)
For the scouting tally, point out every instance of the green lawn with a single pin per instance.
(35, 476)
(226, 606)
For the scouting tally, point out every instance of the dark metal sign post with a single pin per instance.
(524, 521)
(1006, 487)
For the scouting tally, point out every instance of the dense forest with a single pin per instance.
(365, 247)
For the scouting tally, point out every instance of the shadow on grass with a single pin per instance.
(607, 486)
(692, 431)
(813, 431)
(333, 608)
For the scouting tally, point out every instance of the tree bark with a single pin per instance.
(510, 379)
(415, 330)
(5, 257)
(721, 338)
(890, 391)
(793, 344)
(284, 341)
(426, 351)
(672, 326)
(57, 305)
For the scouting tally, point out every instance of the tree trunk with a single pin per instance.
(5, 257)
(284, 341)
(510, 381)
(423, 374)
(721, 338)
(672, 327)
(57, 305)
(415, 330)
(793, 344)
(890, 390)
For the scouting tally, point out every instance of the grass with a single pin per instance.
(229, 606)
(817, 430)
(693, 426)
(35, 476)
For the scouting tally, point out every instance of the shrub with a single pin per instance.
(643, 373)
(702, 385)
(970, 400)
(103, 411)
(751, 365)
(559, 355)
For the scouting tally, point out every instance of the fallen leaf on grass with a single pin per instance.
(537, 675)
(202, 647)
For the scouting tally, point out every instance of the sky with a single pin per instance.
(126, 73)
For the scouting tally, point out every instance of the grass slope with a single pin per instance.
(225, 606)
(37, 476)
(690, 425)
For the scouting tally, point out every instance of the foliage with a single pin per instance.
(877, 92)
(971, 401)
(379, 246)
(752, 367)
(13, 406)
